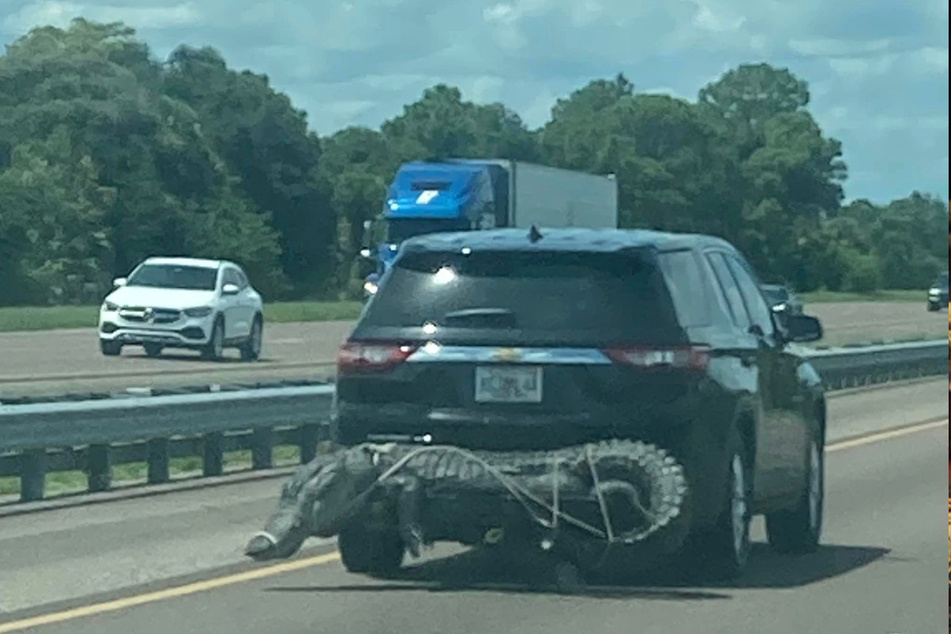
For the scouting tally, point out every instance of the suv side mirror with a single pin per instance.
(119, 282)
(803, 328)
(230, 289)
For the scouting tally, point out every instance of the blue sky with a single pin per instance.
(877, 69)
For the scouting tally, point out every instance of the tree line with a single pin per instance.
(108, 156)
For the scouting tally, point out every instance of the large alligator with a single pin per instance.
(384, 500)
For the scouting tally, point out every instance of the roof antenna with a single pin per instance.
(534, 235)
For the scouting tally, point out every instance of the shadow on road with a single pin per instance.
(479, 570)
(231, 357)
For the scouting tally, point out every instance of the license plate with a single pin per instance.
(502, 384)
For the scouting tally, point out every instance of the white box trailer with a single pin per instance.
(552, 197)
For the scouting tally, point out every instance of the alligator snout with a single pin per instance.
(261, 547)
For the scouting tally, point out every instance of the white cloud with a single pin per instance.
(500, 13)
(830, 47)
(862, 67)
(707, 20)
(934, 58)
(878, 71)
(52, 12)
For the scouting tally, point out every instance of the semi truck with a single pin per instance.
(475, 194)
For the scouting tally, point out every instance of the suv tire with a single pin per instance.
(798, 531)
(110, 348)
(251, 348)
(214, 349)
(723, 550)
(372, 552)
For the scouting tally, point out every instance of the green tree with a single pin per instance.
(264, 140)
(358, 162)
(81, 112)
(442, 125)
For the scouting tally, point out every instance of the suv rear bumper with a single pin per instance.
(699, 445)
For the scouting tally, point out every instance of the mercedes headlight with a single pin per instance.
(109, 307)
(201, 311)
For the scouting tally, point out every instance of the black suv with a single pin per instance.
(524, 340)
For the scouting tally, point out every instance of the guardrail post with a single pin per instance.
(157, 457)
(99, 468)
(32, 475)
(213, 462)
(262, 448)
(309, 437)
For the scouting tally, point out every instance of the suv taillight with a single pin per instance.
(685, 358)
(363, 358)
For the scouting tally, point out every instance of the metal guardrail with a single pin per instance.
(94, 434)
(856, 366)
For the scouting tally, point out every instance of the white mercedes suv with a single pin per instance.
(204, 305)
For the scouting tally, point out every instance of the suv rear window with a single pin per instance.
(563, 295)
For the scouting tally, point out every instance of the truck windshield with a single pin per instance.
(400, 229)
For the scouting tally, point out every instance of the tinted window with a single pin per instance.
(759, 311)
(230, 276)
(242, 278)
(943, 280)
(563, 296)
(734, 299)
(171, 276)
(687, 287)
(776, 294)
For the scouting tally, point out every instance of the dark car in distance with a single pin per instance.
(938, 293)
(782, 299)
(531, 340)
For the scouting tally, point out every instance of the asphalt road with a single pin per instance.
(63, 361)
(880, 569)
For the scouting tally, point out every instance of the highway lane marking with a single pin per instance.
(170, 593)
(868, 439)
(310, 562)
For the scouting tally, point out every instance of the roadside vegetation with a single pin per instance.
(109, 155)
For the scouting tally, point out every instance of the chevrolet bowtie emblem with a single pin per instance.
(507, 354)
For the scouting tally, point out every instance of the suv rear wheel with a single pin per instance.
(724, 549)
(372, 552)
(798, 530)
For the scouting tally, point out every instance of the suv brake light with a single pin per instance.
(687, 358)
(355, 358)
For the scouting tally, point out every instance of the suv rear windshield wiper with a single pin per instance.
(485, 317)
